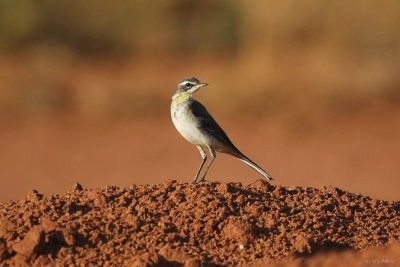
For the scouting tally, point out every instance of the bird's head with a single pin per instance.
(190, 85)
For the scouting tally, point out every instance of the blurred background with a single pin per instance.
(309, 90)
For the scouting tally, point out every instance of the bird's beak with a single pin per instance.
(197, 87)
(201, 85)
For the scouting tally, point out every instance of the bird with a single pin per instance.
(198, 127)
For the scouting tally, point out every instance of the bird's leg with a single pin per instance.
(204, 157)
(213, 156)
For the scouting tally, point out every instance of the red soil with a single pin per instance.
(208, 224)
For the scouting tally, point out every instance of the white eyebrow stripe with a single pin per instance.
(185, 82)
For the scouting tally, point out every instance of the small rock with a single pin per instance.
(280, 191)
(69, 237)
(32, 243)
(33, 196)
(48, 225)
(77, 187)
(302, 244)
(171, 254)
(262, 185)
(238, 229)
(132, 220)
(5, 227)
(224, 188)
(98, 199)
(3, 250)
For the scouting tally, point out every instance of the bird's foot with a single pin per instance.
(202, 180)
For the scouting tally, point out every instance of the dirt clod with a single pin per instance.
(32, 243)
(181, 224)
(77, 187)
(3, 250)
(34, 196)
(240, 230)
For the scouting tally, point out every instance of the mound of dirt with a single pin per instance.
(381, 256)
(181, 224)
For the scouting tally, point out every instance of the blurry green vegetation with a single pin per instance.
(266, 58)
(133, 26)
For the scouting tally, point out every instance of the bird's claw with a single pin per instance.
(196, 181)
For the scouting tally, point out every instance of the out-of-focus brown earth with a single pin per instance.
(358, 152)
(207, 224)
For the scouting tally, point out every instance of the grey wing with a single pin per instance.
(208, 123)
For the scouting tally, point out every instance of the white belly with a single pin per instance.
(188, 128)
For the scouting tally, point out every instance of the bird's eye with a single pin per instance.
(188, 85)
